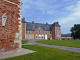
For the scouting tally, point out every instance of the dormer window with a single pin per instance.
(45, 32)
(39, 32)
(29, 31)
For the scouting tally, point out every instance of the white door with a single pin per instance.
(45, 37)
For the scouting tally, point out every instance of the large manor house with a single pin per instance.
(40, 31)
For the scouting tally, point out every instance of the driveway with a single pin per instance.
(55, 46)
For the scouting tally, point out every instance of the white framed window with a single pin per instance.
(58, 36)
(39, 36)
(50, 32)
(29, 36)
(39, 32)
(26, 36)
(57, 31)
(42, 36)
(50, 36)
(29, 31)
(32, 36)
(57, 27)
(45, 32)
(36, 36)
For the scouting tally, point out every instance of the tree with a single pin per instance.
(75, 31)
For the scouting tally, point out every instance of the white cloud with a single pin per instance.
(42, 5)
(73, 18)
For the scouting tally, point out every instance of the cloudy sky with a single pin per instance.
(66, 12)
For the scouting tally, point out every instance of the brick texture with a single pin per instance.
(7, 33)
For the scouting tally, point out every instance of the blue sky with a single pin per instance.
(66, 12)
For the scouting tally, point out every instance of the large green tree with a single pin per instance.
(75, 31)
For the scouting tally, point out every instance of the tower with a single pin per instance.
(56, 31)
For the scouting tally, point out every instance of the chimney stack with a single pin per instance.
(46, 23)
(32, 22)
(24, 19)
(57, 22)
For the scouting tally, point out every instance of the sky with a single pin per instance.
(66, 12)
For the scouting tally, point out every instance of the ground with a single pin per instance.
(47, 53)
(69, 43)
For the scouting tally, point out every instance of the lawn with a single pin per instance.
(70, 43)
(24, 41)
(47, 53)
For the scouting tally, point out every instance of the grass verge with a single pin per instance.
(24, 41)
(69, 43)
(47, 53)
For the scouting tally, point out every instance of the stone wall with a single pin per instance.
(10, 34)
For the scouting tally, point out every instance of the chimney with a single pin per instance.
(32, 22)
(24, 19)
(46, 23)
(57, 22)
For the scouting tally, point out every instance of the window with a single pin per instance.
(58, 36)
(29, 36)
(57, 27)
(36, 36)
(42, 36)
(26, 36)
(50, 32)
(39, 32)
(45, 32)
(50, 36)
(39, 36)
(29, 31)
(32, 36)
(57, 31)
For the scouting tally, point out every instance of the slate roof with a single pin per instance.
(45, 27)
(65, 35)
(31, 26)
(56, 24)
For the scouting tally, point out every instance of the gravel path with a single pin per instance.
(55, 46)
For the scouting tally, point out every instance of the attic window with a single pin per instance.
(45, 32)
(39, 32)
(29, 31)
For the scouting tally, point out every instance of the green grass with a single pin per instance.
(70, 43)
(24, 41)
(47, 53)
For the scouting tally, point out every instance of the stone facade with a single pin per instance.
(28, 34)
(10, 34)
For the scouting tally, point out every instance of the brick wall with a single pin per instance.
(55, 33)
(23, 30)
(8, 32)
(34, 33)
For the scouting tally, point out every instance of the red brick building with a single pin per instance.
(10, 25)
(39, 31)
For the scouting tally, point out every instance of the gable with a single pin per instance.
(39, 28)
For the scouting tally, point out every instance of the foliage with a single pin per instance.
(75, 31)
(70, 43)
(47, 53)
